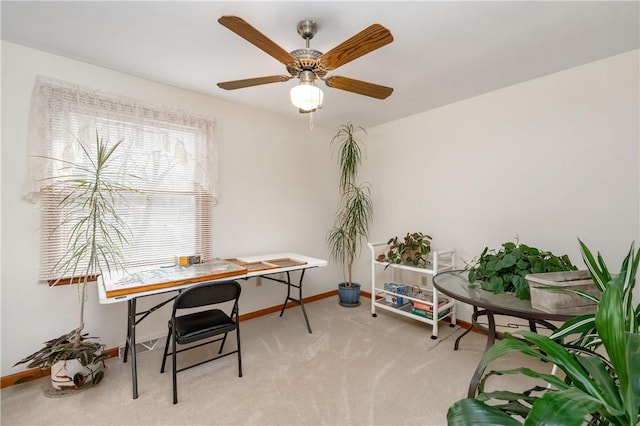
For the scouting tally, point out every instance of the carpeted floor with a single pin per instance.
(352, 370)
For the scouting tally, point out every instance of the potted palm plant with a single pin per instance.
(597, 354)
(96, 235)
(354, 213)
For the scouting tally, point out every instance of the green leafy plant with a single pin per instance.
(356, 208)
(503, 271)
(412, 250)
(599, 387)
(88, 353)
(91, 194)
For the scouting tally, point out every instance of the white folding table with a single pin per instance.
(137, 283)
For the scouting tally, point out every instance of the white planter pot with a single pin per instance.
(71, 374)
(555, 301)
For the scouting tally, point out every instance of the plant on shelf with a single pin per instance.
(504, 270)
(354, 214)
(412, 250)
(96, 234)
(597, 387)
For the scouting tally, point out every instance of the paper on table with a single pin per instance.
(171, 276)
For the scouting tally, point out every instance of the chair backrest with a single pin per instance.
(208, 293)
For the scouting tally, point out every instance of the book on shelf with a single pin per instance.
(429, 314)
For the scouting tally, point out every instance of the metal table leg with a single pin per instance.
(474, 317)
(491, 338)
(492, 335)
(299, 300)
(130, 344)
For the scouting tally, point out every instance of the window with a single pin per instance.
(170, 153)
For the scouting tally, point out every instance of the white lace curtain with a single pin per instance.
(62, 112)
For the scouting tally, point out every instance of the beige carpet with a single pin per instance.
(352, 370)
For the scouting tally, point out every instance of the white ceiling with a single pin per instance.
(442, 51)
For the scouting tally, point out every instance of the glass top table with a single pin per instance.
(456, 285)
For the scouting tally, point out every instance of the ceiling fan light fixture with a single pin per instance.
(306, 96)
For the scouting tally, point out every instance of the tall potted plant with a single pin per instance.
(354, 213)
(97, 233)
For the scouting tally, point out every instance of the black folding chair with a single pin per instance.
(204, 324)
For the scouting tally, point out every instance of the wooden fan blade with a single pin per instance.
(239, 84)
(359, 87)
(255, 37)
(367, 40)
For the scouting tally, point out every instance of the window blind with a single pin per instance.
(166, 157)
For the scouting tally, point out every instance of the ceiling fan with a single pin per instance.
(308, 64)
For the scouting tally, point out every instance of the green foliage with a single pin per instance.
(88, 208)
(582, 329)
(63, 348)
(503, 271)
(350, 157)
(356, 208)
(599, 387)
(89, 353)
(469, 411)
(97, 377)
(412, 250)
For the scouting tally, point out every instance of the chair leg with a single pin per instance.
(175, 373)
(239, 351)
(166, 348)
(224, 339)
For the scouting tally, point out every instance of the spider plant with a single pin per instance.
(598, 387)
(90, 193)
(356, 208)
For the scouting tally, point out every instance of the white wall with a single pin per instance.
(550, 160)
(273, 198)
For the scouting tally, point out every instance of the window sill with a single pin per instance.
(73, 280)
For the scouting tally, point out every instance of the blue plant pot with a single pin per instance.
(349, 296)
